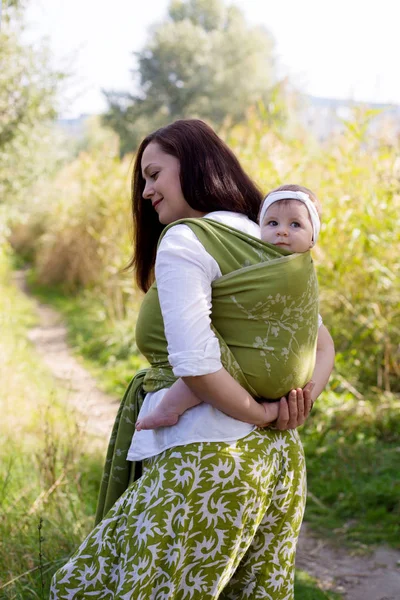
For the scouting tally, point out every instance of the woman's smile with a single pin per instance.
(157, 202)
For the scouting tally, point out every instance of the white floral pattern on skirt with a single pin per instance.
(205, 521)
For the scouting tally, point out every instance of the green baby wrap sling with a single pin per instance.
(265, 315)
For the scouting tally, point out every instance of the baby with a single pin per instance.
(289, 218)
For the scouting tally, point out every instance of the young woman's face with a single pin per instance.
(288, 225)
(160, 172)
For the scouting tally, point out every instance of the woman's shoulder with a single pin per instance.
(179, 241)
(176, 234)
(180, 250)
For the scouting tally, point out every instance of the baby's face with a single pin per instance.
(287, 224)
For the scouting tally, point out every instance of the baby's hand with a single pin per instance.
(271, 412)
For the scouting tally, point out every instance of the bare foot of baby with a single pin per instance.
(157, 418)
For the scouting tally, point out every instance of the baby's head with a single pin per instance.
(290, 218)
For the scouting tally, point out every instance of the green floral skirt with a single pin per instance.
(206, 520)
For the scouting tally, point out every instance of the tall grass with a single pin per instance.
(49, 471)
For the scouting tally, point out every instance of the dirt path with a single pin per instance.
(96, 410)
(372, 577)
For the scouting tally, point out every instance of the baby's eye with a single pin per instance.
(295, 224)
(272, 223)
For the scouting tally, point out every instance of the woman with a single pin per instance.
(218, 508)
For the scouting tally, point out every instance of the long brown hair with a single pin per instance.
(211, 179)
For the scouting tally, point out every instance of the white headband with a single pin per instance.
(289, 195)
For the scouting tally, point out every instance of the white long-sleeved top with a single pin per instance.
(184, 273)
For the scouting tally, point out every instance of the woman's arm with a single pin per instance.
(294, 410)
(180, 398)
(222, 391)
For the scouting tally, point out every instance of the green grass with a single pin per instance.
(306, 588)
(49, 469)
(353, 476)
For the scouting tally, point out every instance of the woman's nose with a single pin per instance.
(148, 191)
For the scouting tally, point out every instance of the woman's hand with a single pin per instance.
(294, 410)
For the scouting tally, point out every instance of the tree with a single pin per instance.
(27, 101)
(203, 61)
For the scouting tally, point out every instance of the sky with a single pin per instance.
(344, 49)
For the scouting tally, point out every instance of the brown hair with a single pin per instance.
(292, 187)
(211, 179)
